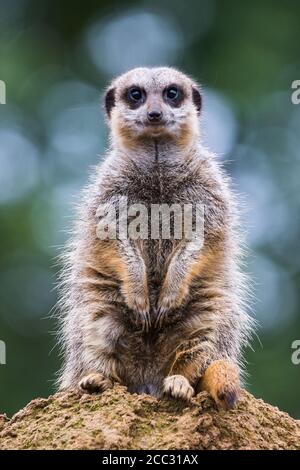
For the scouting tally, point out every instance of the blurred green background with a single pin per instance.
(56, 57)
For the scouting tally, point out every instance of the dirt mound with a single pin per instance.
(119, 420)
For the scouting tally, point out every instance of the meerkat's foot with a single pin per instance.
(221, 380)
(95, 383)
(178, 387)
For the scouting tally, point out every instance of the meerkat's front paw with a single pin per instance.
(138, 302)
(95, 383)
(169, 299)
(178, 387)
(141, 308)
(221, 380)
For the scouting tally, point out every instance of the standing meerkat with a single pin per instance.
(157, 315)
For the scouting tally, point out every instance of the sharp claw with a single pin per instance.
(145, 319)
(142, 316)
(157, 321)
(145, 322)
(148, 321)
(160, 316)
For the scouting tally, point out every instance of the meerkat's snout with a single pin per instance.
(154, 113)
(155, 116)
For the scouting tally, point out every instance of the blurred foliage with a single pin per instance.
(56, 58)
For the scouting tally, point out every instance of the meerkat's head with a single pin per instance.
(147, 103)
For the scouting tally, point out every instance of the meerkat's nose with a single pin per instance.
(154, 115)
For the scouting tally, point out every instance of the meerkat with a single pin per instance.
(154, 314)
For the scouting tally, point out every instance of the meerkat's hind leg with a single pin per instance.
(178, 386)
(221, 380)
(95, 383)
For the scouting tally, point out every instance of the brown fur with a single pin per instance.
(150, 313)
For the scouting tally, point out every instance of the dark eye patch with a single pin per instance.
(173, 95)
(135, 96)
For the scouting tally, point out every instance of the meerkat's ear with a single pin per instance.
(109, 100)
(197, 99)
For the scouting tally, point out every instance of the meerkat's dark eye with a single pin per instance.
(135, 94)
(172, 93)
